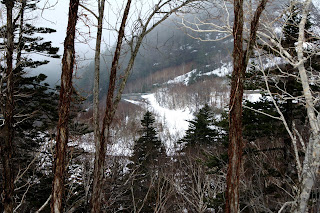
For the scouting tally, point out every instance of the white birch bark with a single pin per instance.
(312, 155)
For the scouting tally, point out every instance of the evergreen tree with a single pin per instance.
(199, 159)
(148, 159)
(201, 131)
(35, 106)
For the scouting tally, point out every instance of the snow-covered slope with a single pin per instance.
(222, 71)
(173, 123)
(175, 120)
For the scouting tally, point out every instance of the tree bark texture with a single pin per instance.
(101, 4)
(98, 172)
(311, 163)
(7, 131)
(235, 113)
(240, 62)
(64, 109)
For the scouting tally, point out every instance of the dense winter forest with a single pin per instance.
(195, 106)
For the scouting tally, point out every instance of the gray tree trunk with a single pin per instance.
(101, 4)
(98, 172)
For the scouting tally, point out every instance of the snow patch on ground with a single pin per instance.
(316, 3)
(182, 78)
(121, 147)
(84, 142)
(252, 97)
(222, 71)
(173, 121)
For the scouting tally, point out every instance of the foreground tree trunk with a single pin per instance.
(240, 62)
(96, 119)
(311, 163)
(235, 113)
(113, 96)
(98, 172)
(64, 109)
(7, 129)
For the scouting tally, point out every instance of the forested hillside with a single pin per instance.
(198, 106)
(167, 52)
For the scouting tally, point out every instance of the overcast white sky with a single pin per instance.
(56, 16)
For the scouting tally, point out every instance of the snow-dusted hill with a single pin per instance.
(175, 102)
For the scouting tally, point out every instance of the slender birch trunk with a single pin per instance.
(312, 156)
(101, 5)
(64, 109)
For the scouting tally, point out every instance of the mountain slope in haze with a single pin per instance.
(166, 47)
(168, 51)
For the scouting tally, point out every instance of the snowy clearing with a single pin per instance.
(175, 120)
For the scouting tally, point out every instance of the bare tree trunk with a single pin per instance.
(96, 119)
(112, 102)
(311, 162)
(235, 113)
(240, 62)
(98, 173)
(7, 132)
(64, 109)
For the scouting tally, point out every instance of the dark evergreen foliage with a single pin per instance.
(201, 130)
(35, 113)
(259, 125)
(148, 159)
(148, 148)
(280, 79)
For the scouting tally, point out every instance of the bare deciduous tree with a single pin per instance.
(166, 8)
(98, 173)
(97, 57)
(64, 109)
(312, 155)
(305, 54)
(240, 62)
(96, 120)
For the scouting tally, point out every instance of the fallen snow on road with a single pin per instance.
(133, 102)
